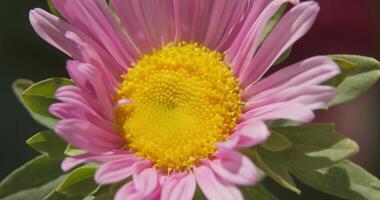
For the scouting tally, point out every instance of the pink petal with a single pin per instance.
(79, 105)
(95, 18)
(52, 29)
(88, 78)
(242, 54)
(224, 15)
(87, 136)
(213, 187)
(289, 29)
(285, 110)
(71, 162)
(116, 170)
(234, 168)
(254, 11)
(128, 191)
(79, 111)
(91, 53)
(149, 23)
(145, 178)
(179, 186)
(247, 134)
(311, 71)
(70, 40)
(312, 96)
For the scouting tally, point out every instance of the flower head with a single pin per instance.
(168, 91)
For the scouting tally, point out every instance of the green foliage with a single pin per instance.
(277, 142)
(272, 167)
(73, 151)
(271, 24)
(48, 143)
(19, 86)
(273, 21)
(79, 182)
(35, 178)
(345, 179)
(317, 157)
(314, 146)
(257, 192)
(53, 9)
(38, 97)
(358, 75)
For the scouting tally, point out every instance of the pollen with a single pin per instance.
(183, 99)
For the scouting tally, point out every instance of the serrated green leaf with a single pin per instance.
(73, 151)
(32, 175)
(40, 96)
(79, 182)
(314, 146)
(345, 179)
(257, 192)
(48, 143)
(272, 167)
(277, 142)
(358, 74)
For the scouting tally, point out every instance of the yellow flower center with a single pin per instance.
(183, 99)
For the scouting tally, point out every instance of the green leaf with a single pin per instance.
(73, 151)
(277, 142)
(37, 193)
(273, 21)
(32, 175)
(53, 9)
(314, 146)
(358, 74)
(19, 86)
(199, 194)
(48, 143)
(79, 182)
(345, 179)
(354, 86)
(283, 56)
(272, 167)
(40, 96)
(257, 192)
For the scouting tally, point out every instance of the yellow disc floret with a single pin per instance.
(183, 100)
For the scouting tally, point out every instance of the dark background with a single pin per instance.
(343, 26)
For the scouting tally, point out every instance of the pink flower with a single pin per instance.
(166, 91)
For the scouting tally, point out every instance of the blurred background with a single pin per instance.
(343, 26)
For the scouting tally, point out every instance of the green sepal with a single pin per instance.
(345, 179)
(35, 178)
(358, 75)
(48, 143)
(79, 182)
(38, 97)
